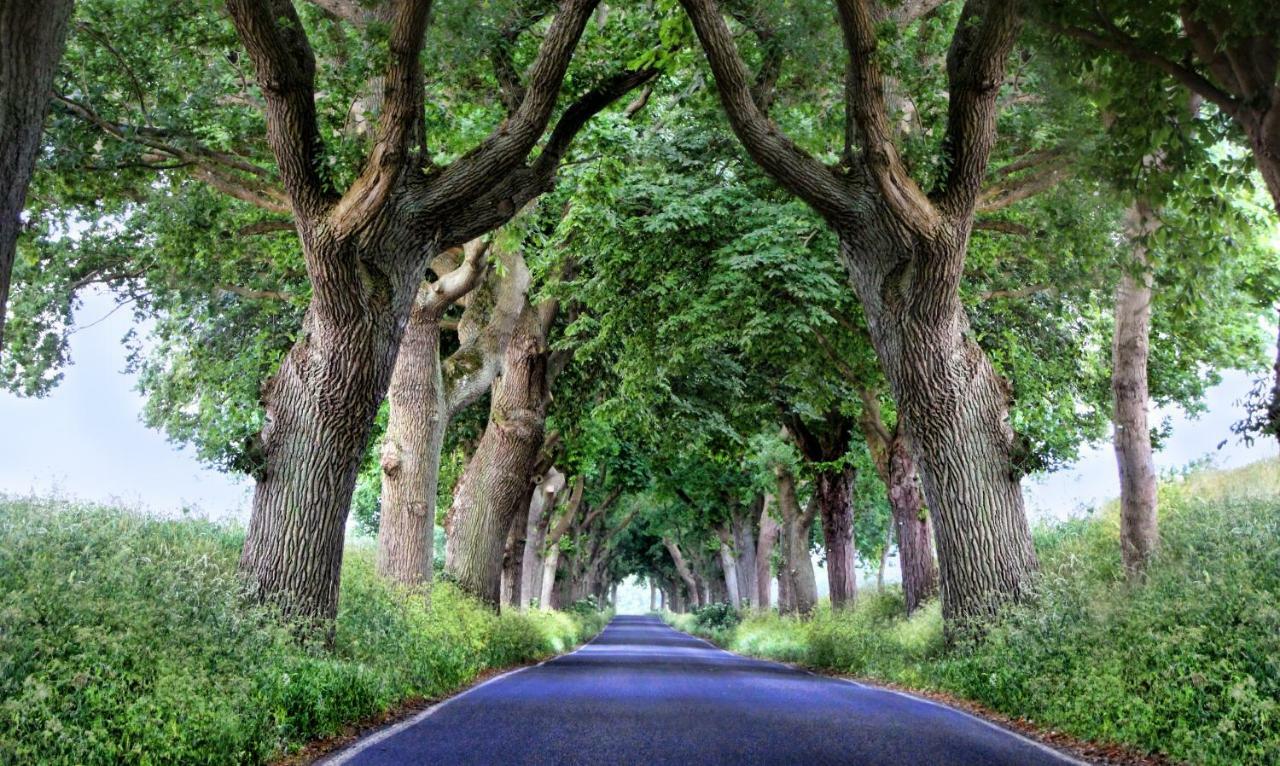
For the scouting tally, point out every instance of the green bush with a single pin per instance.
(1187, 663)
(126, 639)
(718, 616)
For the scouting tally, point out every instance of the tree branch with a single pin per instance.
(790, 165)
(272, 33)
(401, 110)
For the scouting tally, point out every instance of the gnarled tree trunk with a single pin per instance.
(769, 530)
(1139, 532)
(729, 566)
(32, 35)
(745, 544)
(496, 482)
(540, 507)
(797, 565)
(826, 443)
(685, 571)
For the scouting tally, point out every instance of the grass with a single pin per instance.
(1187, 664)
(125, 639)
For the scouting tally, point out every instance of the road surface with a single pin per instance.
(643, 693)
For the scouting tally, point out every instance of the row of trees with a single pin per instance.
(344, 259)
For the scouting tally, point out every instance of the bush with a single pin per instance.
(126, 639)
(718, 616)
(1187, 664)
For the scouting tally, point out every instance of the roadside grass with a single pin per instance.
(1186, 664)
(126, 639)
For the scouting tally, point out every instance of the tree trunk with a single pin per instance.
(1273, 406)
(320, 409)
(653, 597)
(416, 422)
(764, 554)
(32, 36)
(833, 491)
(512, 558)
(540, 507)
(549, 566)
(496, 482)
(729, 564)
(955, 409)
(911, 526)
(1139, 534)
(745, 544)
(802, 589)
(683, 569)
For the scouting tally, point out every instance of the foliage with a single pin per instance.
(126, 639)
(717, 616)
(1187, 664)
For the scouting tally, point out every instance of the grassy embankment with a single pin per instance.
(1187, 664)
(125, 639)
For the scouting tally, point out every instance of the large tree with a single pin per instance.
(32, 35)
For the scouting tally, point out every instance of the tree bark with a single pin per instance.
(904, 249)
(1139, 532)
(426, 394)
(686, 573)
(729, 566)
(32, 36)
(540, 507)
(833, 492)
(802, 589)
(911, 527)
(769, 530)
(496, 482)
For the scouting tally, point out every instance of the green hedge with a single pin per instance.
(125, 639)
(1187, 664)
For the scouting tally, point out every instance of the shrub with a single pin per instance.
(717, 616)
(126, 639)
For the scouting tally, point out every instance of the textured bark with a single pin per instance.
(797, 565)
(1139, 533)
(427, 393)
(366, 250)
(833, 492)
(32, 35)
(826, 443)
(1273, 406)
(496, 482)
(768, 537)
(912, 528)
(512, 558)
(904, 250)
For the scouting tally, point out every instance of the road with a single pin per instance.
(643, 693)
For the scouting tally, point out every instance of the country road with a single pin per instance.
(643, 693)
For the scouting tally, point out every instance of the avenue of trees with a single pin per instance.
(692, 291)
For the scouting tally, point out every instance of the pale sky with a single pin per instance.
(85, 440)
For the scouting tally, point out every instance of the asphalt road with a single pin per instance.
(643, 693)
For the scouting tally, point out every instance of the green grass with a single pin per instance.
(125, 639)
(1187, 664)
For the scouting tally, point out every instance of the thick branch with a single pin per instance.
(272, 33)
(470, 176)
(790, 165)
(975, 70)
(401, 110)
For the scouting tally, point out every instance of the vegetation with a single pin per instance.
(125, 638)
(1149, 666)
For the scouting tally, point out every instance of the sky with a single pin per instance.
(85, 441)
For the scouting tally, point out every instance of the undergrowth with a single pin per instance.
(1186, 664)
(126, 639)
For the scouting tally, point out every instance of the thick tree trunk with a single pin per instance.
(549, 566)
(32, 35)
(496, 482)
(802, 588)
(416, 422)
(833, 491)
(320, 409)
(911, 526)
(1139, 533)
(769, 530)
(955, 409)
(745, 544)
(512, 559)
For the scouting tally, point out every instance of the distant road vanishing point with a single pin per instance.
(643, 693)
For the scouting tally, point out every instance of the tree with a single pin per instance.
(904, 250)
(32, 35)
